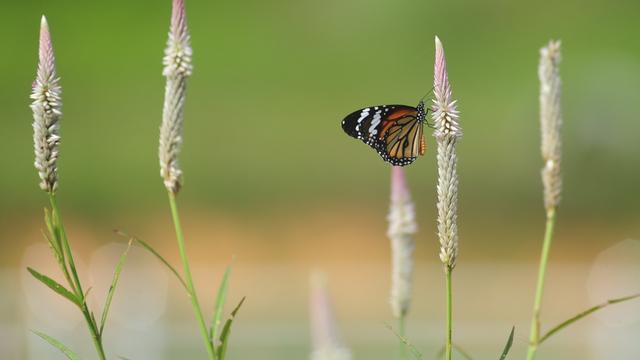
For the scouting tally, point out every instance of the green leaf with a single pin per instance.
(457, 348)
(53, 224)
(60, 346)
(507, 347)
(226, 331)
(55, 286)
(48, 220)
(52, 238)
(56, 253)
(406, 343)
(579, 316)
(158, 256)
(93, 320)
(86, 293)
(219, 306)
(112, 288)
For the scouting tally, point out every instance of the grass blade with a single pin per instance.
(54, 231)
(52, 238)
(56, 253)
(507, 347)
(457, 348)
(406, 342)
(56, 243)
(219, 306)
(60, 346)
(148, 247)
(112, 288)
(579, 316)
(55, 286)
(226, 331)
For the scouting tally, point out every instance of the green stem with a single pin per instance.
(187, 275)
(534, 335)
(75, 283)
(401, 332)
(93, 328)
(449, 343)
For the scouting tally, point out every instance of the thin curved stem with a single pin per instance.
(187, 277)
(402, 333)
(74, 282)
(449, 343)
(534, 335)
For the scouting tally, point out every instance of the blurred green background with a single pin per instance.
(269, 175)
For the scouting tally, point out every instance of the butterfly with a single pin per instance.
(394, 131)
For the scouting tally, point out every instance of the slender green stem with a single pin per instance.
(74, 282)
(187, 276)
(449, 343)
(402, 333)
(65, 251)
(534, 335)
(93, 328)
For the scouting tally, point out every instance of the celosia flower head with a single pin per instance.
(447, 132)
(402, 228)
(551, 123)
(324, 330)
(47, 111)
(177, 68)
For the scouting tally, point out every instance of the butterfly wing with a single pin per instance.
(404, 140)
(394, 131)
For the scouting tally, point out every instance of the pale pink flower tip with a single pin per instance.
(445, 112)
(178, 19)
(440, 77)
(177, 60)
(46, 63)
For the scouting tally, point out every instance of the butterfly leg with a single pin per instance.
(426, 116)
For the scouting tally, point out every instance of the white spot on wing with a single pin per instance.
(363, 115)
(374, 123)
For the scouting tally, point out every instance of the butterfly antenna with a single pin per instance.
(427, 109)
(427, 94)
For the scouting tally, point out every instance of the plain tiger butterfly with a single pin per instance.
(394, 131)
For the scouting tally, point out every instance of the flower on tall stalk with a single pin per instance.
(402, 227)
(47, 111)
(46, 107)
(447, 132)
(550, 123)
(177, 68)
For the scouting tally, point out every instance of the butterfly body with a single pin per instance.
(394, 131)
